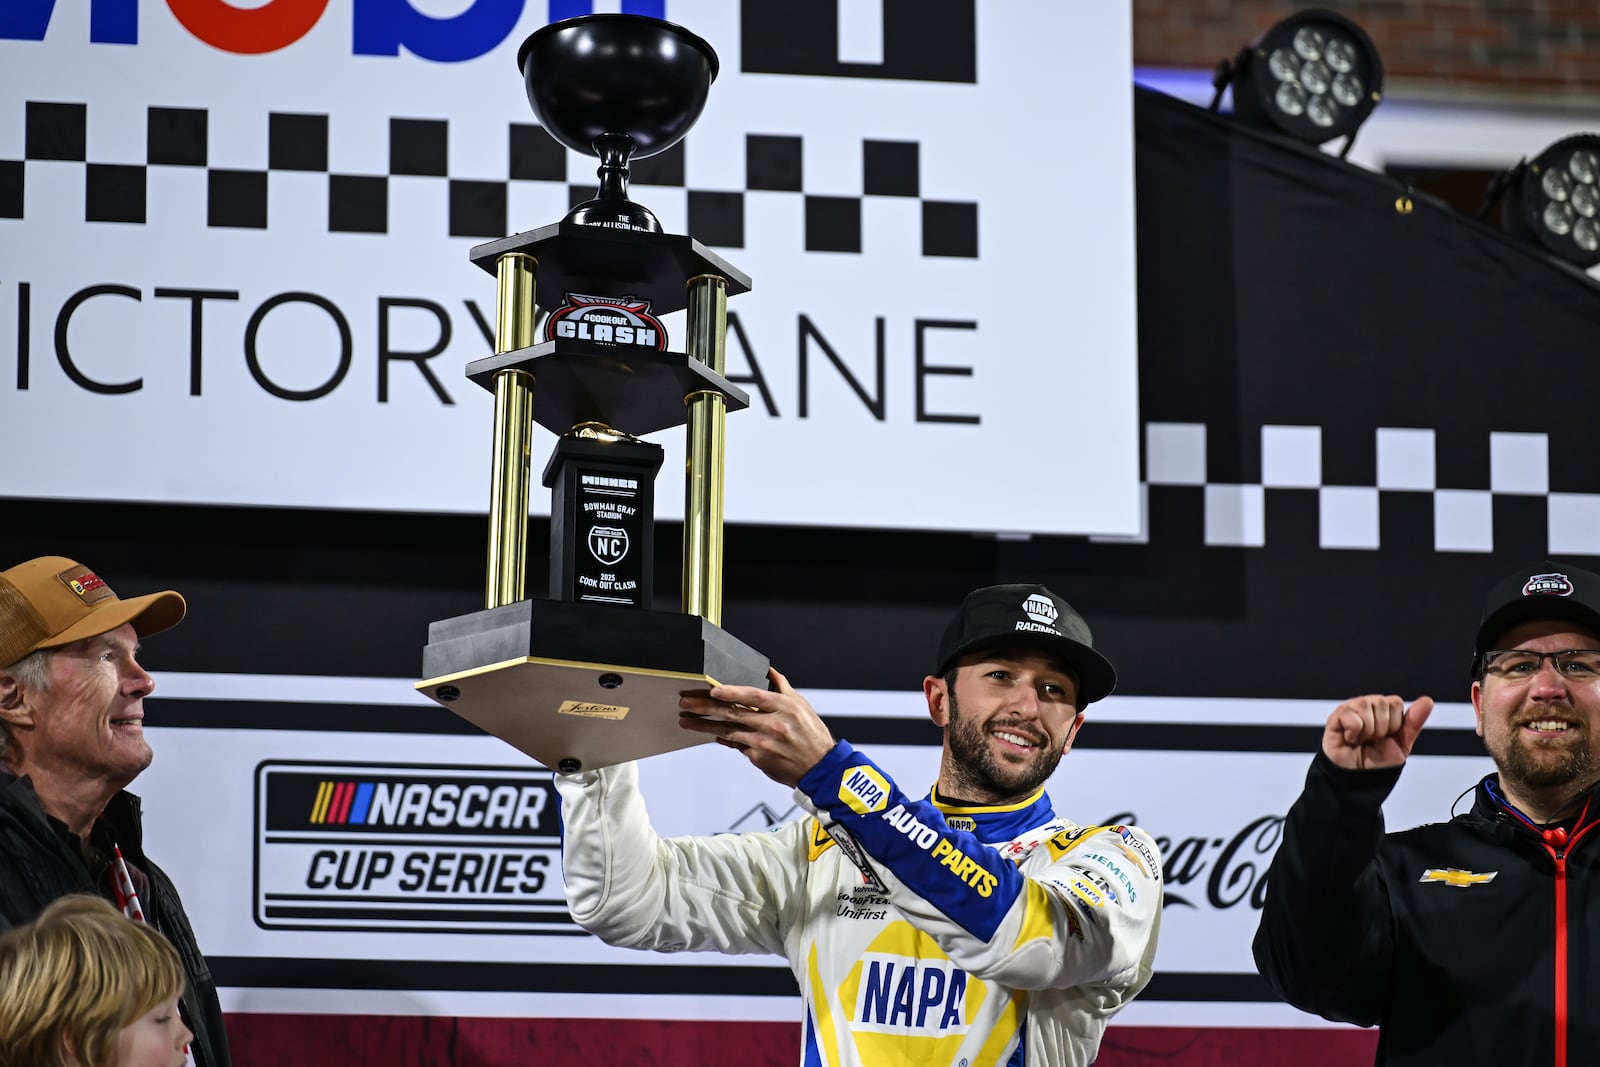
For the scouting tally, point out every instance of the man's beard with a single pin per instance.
(975, 772)
(1566, 764)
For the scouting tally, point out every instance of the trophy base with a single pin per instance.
(543, 676)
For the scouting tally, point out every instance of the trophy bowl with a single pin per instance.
(617, 87)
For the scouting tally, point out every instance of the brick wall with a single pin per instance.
(1511, 47)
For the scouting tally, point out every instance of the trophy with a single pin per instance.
(592, 675)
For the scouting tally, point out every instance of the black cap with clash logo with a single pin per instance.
(1544, 590)
(1028, 616)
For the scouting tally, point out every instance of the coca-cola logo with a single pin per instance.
(1225, 870)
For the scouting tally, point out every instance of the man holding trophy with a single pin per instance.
(963, 927)
(971, 926)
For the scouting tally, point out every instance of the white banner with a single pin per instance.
(403, 847)
(234, 237)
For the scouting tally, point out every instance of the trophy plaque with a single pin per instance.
(591, 675)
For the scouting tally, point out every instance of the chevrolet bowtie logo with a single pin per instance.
(1460, 879)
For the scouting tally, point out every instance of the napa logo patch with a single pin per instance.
(1457, 878)
(910, 996)
(1041, 615)
(1039, 608)
(961, 822)
(1548, 585)
(608, 320)
(864, 790)
(1082, 889)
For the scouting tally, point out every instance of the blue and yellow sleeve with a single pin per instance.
(969, 882)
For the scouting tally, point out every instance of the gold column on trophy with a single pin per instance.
(707, 442)
(515, 274)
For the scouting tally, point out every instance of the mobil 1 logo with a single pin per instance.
(408, 848)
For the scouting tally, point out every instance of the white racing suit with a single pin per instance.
(920, 932)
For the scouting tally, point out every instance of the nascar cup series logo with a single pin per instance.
(608, 320)
(408, 848)
(1548, 585)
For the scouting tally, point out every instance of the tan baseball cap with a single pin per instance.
(53, 601)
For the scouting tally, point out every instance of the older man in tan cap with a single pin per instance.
(71, 738)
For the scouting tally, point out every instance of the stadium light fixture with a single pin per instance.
(1314, 76)
(1553, 200)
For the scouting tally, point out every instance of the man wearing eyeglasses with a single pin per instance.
(1475, 940)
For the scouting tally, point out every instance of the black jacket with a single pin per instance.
(40, 861)
(1447, 935)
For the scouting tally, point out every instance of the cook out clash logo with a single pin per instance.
(609, 320)
(1548, 585)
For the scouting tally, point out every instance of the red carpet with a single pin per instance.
(385, 1041)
